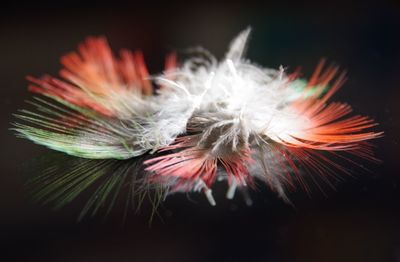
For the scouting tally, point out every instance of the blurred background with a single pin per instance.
(359, 221)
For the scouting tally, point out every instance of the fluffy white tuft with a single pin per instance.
(234, 92)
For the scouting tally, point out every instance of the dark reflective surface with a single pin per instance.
(357, 222)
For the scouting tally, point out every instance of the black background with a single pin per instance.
(359, 221)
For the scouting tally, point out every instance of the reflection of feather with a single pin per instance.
(209, 120)
(63, 178)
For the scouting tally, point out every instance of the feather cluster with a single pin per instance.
(200, 121)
